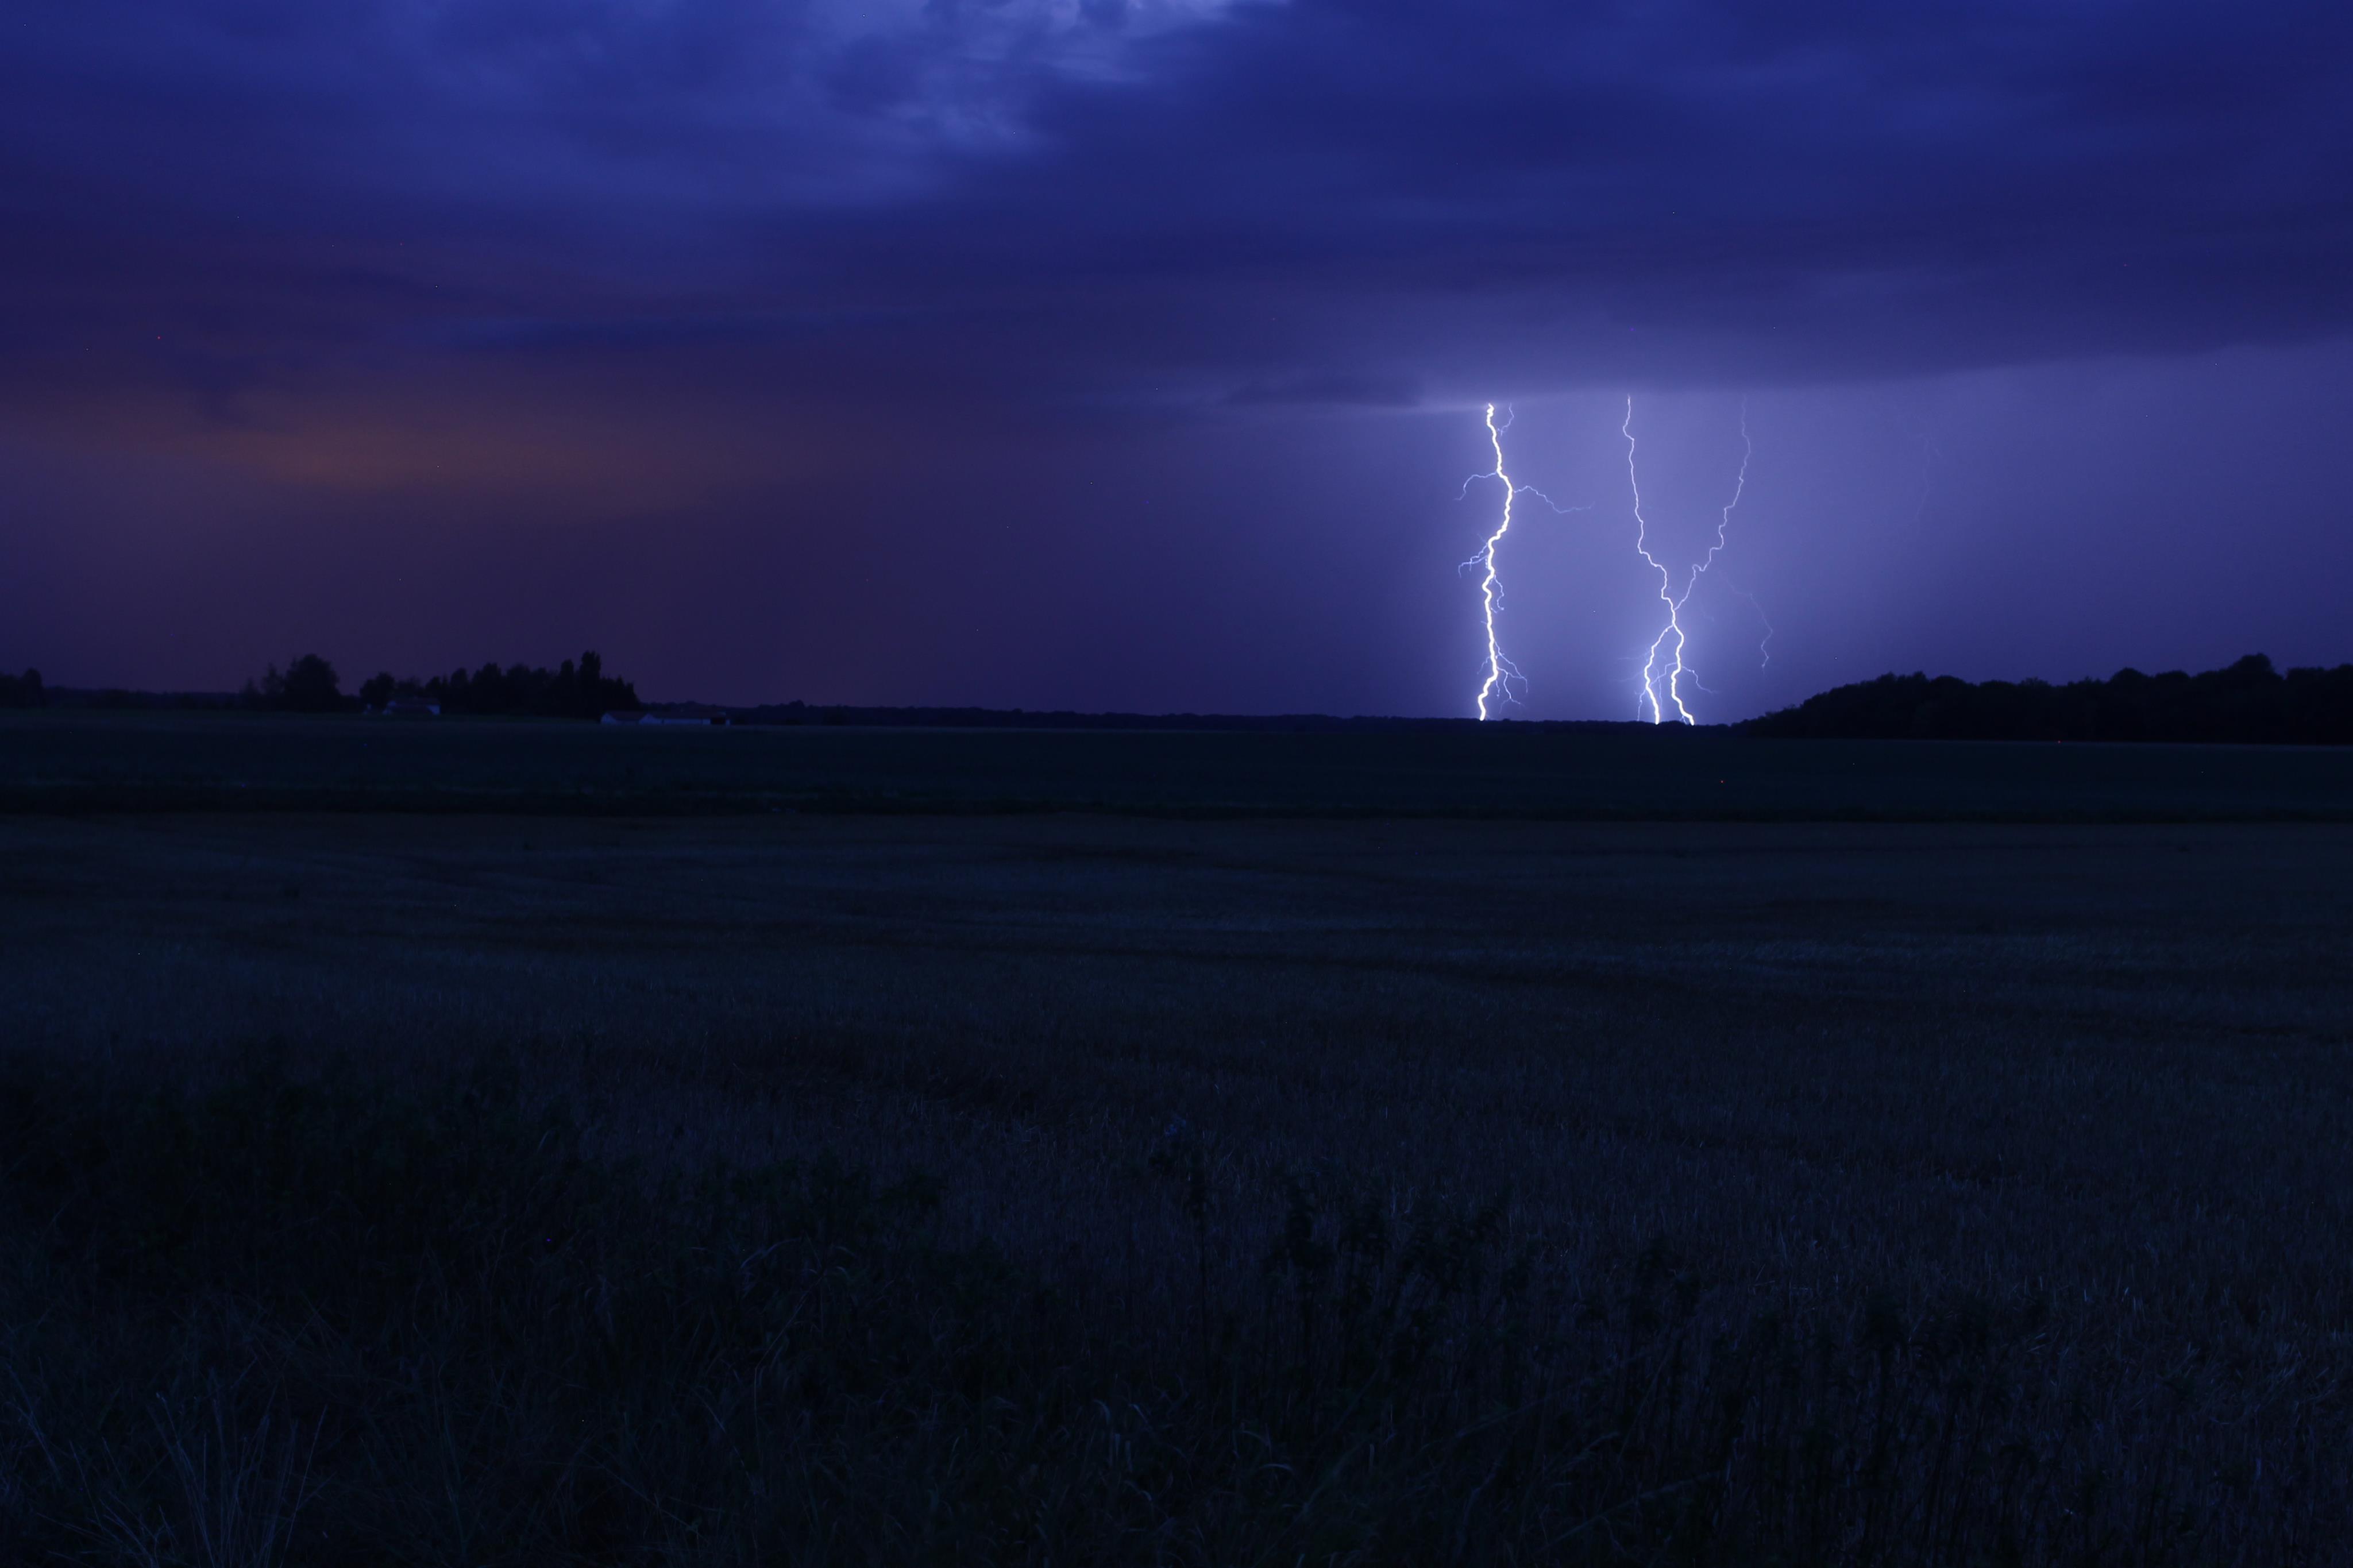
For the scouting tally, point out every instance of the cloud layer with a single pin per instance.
(1193, 200)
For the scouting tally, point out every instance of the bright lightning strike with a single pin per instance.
(1501, 671)
(1670, 638)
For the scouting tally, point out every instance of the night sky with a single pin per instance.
(1131, 353)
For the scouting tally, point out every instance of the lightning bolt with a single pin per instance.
(1674, 669)
(1501, 671)
(1765, 643)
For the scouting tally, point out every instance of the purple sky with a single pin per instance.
(1129, 354)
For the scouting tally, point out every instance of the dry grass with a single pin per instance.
(1181, 1191)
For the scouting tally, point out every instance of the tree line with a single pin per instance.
(2248, 701)
(574, 689)
(22, 691)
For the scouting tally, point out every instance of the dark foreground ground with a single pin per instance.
(1099, 1188)
(260, 762)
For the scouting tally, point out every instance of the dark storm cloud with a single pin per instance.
(1251, 204)
(1686, 191)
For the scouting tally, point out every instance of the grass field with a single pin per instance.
(1311, 1185)
(53, 761)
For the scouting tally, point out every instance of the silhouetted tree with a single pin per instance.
(311, 686)
(570, 690)
(377, 689)
(2247, 701)
(308, 685)
(23, 690)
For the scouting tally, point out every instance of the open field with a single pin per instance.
(52, 761)
(1123, 1188)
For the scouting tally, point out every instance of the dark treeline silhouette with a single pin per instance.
(308, 685)
(22, 691)
(2250, 701)
(570, 690)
